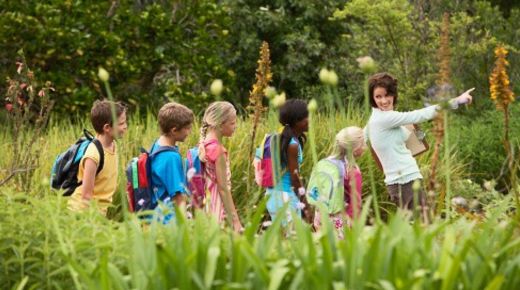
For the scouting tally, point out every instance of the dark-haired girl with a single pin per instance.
(294, 117)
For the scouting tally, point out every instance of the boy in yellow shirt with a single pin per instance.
(101, 187)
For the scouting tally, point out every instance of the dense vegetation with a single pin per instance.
(157, 51)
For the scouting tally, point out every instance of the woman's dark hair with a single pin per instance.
(382, 80)
(292, 112)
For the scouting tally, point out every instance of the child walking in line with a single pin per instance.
(168, 178)
(294, 117)
(100, 187)
(219, 121)
(336, 181)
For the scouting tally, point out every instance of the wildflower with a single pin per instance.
(216, 87)
(323, 75)
(301, 191)
(301, 205)
(333, 78)
(500, 88)
(366, 64)
(263, 77)
(416, 186)
(328, 77)
(103, 74)
(312, 106)
(278, 100)
(270, 92)
(41, 93)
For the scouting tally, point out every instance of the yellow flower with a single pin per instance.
(499, 84)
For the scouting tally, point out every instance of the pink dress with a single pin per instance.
(215, 206)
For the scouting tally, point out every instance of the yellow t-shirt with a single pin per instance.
(105, 182)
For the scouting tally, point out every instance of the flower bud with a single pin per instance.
(366, 64)
(312, 106)
(216, 87)
(103, 74)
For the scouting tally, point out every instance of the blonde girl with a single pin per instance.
(345, 203)
(219, 121)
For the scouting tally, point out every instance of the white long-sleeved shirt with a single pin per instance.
(387, 137)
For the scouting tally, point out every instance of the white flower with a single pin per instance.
(328, 77)
(366, 64)
(301, 191)
(279, 100)
(216, 87)
(333, 78)
(416, 186)
(301, 205)
(270, 92)
(312, 106)
(103, 74)
(324, 75)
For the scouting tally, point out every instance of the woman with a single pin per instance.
(387, 137)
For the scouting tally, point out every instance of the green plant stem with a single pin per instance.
(371, 164)
(447, 199)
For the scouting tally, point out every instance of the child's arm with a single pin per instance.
(292, 164)
(89, 176)
(224, 192)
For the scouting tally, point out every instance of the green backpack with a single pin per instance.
(326, 185)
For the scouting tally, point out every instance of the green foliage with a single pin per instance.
(161, 50)
(479, 142)
(87, 251)
(152, 51)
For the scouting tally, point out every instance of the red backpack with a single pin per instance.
(263, 162)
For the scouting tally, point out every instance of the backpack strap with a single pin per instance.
(162, 149)
(99, 147)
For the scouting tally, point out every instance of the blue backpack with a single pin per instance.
(64, 173)
(139, 186)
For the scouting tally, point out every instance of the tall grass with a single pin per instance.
(45, 246)
(51, 247)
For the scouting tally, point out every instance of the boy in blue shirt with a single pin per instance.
(168, 178)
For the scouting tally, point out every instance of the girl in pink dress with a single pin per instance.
(219, 121)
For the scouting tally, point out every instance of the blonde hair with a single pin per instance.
(174, 115)
(347, 140)
(215, 115)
